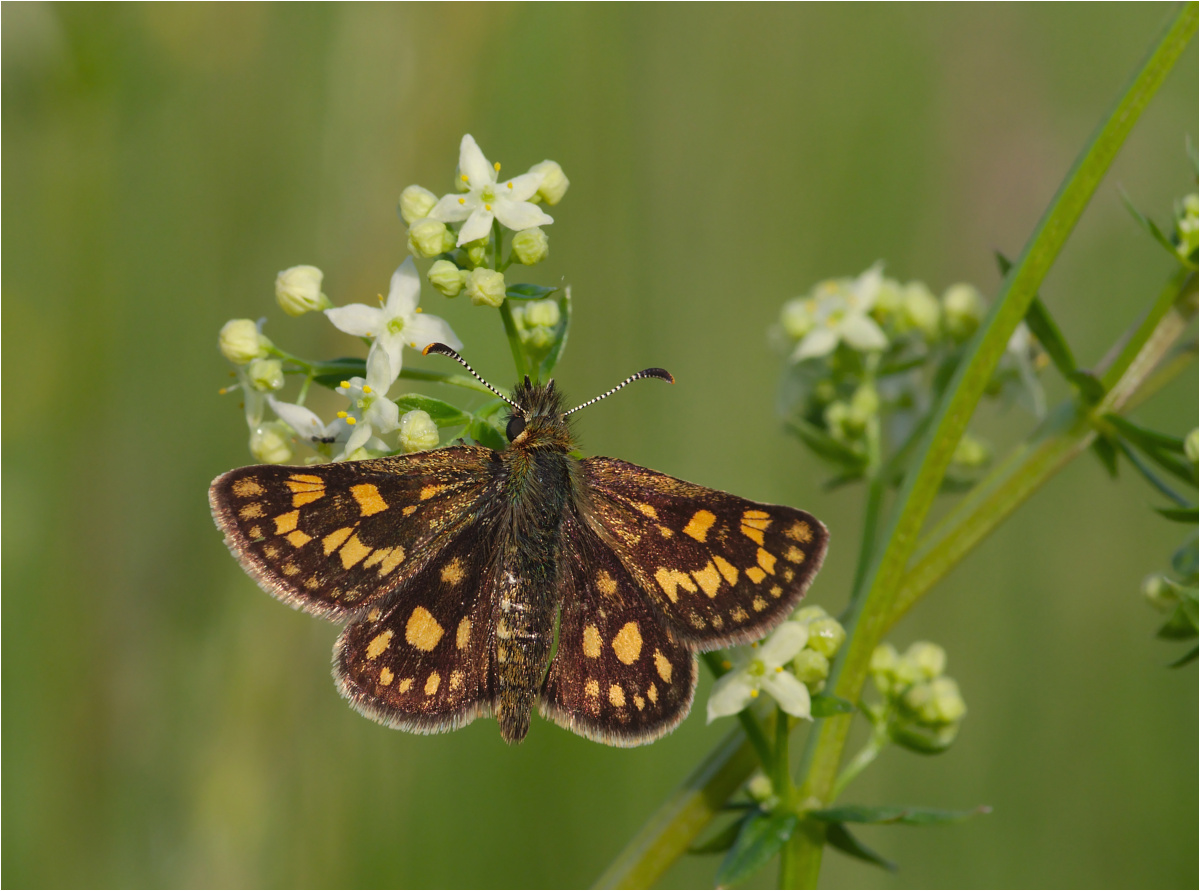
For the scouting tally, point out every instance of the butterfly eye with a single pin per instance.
(516, 426)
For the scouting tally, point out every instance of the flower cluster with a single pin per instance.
(921, 708)
(790, 666)
(462, 230)
(868, 355)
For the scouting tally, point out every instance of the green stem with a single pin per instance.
(862, 760)
(1150, 476)
(958, 404)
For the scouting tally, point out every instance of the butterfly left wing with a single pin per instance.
(619, 676)
(717, 569)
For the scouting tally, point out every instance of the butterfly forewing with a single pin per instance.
(619, 676)
(334, 539)
(717, 568)
(424, 662)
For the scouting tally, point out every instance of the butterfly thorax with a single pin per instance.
(539, 486)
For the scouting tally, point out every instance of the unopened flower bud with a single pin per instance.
(1187, 227)
(416, 203)
(298, 290)
(266, 375)
(927, 658)
(887, 299)
(531, 246)
(825, 636)
(417, 432)
(428, 238)
(810, 667)
(920, 311)
(882, 666)
(270, 443)
(964, 307)
(240, 341)
(476, 252)
(1159, 592)
(947, 706)
(447, 278)
(864, 404)
(971, 452)
(486, 287)
(808, 614)
(554, 182)
(797, 317)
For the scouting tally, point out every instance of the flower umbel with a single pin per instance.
(763, 666)
(486, 199)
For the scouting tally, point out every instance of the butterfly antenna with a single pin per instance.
(444, 350)
(661, 373)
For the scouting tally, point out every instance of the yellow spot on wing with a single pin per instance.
(452, 572)
(423, 630)
(386, 676)
(456, 680)
(247, 487)
(759, 604)
(709, 579)
(766, 560)
(663, 665)
(301, 478)
(739, 615)
(639, 702)
(353, 551)
(463, 636)
(728, 570)
(297, 539)
(410, 510)
(251, 511)
(671, 579)
(699, 524)
(616, 696)
(755, 574)
(752, 533)
(794, 554)
(591, 642)
(368, 498)
(333, 540)
(592, 688)
(429, 491)
(391, 561)
(374, 615)
(432, 683)
(302, 498)
(378, 644)
(286, 522)
(799, 531)
(606, 583)
(628, 643)
(404, 686)
(776, 590)
(652, 693)
(646, 510)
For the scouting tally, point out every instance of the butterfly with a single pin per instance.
(457, 569)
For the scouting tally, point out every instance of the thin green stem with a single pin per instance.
(860, 762)
(1150, 476)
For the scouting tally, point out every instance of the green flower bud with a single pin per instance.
(810, 667)
(1187, 228)
(825, 636)
(927, 658)
(759, 787)
(883, 666)
(1191, 446)
(554, 182)
(428, 238)
(240, 341)
(418, 433)
(808, 614)
(476, 252)
(447, 278)
(1160, 592)
(797, 316)
(271, 443)
(416, 203)
(887, 300)
(298, 290)
(964, 307)
(531, 246)
(971, 452)
(266, 375)
(948, 706)
(864, 405)
(920, 311)
(485, 287)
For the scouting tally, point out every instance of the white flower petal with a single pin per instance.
(454, 208)
(383, 367)
(518, 215)
(478, 226)
(861, 332)
(359, 434)
(304, 421)
(357, 319)
(782, 646)
(791, 695)
(383, 415)
(405, 290)
(425, 329)
(472, 162)
(523, 188)
(730, 694)
(818, 342)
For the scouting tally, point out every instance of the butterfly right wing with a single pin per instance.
(335, 539)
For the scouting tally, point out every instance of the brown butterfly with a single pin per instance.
(455, 567)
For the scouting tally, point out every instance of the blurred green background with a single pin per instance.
(167, 723)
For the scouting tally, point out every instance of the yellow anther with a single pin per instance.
(413, 344)
(366, 388)
(726, 664)
(778, 668)
(420, 310)
(509, 184)
(465, 179)
(343, 414)
(462, 200)
(222, 391)
(754, 694)
(487, 207)
(351, 421)
(755, 644)
(345, 385)
(497, 166)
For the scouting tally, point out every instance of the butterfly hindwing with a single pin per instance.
(718, 569)
(619, 677)
(333, 539)
(423, 661)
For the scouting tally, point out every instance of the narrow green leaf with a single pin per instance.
(1149, 225)
(526, 291)
(1143, 437)
(826, 446)
(1107, 453)
(723, 839)
(1183, 623)
(826, 706)
(759, 840)
(911, 816)
(1179, 514)
(839, 837)
(556, 350)
(1088, 385)
(1044, 328)
(331, 374)
(443, 413)
(1186, 559)
(1184, 660)
(486, 435)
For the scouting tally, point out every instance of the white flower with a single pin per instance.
(394, 325)
(842, 315)
(371, 412)
(485, 198)
(763, 667)
(307, 425)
